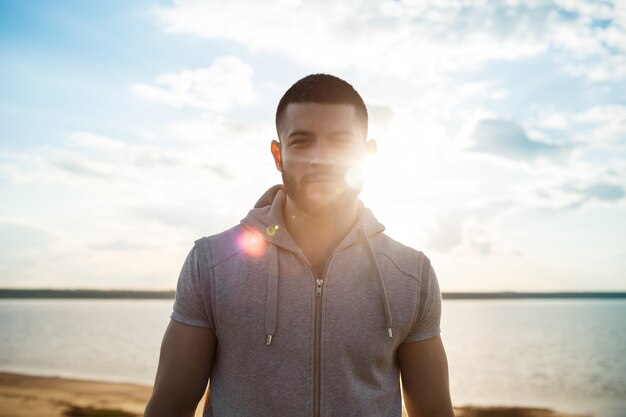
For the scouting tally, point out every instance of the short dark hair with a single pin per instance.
(322, 89)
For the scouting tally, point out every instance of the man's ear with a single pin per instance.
(275, 148)
(371, 147)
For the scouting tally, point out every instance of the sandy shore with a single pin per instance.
(22, 395)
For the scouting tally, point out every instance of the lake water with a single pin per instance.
(564, 354)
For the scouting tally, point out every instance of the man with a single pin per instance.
(307, 308)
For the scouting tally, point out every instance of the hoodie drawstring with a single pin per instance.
(379, 277)
(272, 287)
(272, 294)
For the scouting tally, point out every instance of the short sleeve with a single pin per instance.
(192, 298)
(428, 315)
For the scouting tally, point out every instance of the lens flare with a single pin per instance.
(355, 176)
(252, 243)
(271, 230)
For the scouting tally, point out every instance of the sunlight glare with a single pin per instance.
(252, 243)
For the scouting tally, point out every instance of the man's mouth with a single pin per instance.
(323, 179)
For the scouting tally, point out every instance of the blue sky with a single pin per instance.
(129, 130)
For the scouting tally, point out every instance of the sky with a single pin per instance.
(129, 129)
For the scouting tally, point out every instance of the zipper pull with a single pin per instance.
(319, 281)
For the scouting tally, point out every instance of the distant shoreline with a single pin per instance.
(14, 293)
(86, 294)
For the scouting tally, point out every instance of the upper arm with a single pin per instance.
(422, 357)
(424, 372)
(185, 363)
(427, 320)
(189, 343)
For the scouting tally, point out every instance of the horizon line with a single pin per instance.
(86, 293)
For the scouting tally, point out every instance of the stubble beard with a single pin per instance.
(331, 208)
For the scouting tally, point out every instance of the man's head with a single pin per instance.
(322, 89)
(322, 128)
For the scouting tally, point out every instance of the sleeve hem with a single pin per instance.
(422, 336)
(185, 320)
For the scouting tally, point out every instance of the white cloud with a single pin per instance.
(379, 115)
(217, 129)
(606, 122)
(446, 231)
(601, 123)
(124, 213)
(471, 229)
(584, 183)
(604, 67)
(209, 145)
(120, 245)
(89, 140)
(553, 121)
(408, 38)
(508, 140)
(15, 239)
(85, 163)
(225, 84)
(395, 38)
(576, 194)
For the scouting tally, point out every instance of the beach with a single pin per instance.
(26, 395)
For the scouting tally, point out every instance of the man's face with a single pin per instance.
(320, 145)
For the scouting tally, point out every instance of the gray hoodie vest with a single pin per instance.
(294, 344)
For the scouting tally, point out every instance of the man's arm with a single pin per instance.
(424, 371)
(184, 368)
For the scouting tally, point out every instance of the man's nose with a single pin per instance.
(322, 155)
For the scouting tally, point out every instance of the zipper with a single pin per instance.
(319, 286)
(318, 353)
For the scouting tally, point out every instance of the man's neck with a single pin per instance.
(318, 236)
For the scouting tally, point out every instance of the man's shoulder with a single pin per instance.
(221, 246)
(406, 258)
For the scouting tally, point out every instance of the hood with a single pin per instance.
(266, 218)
